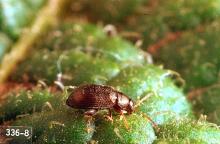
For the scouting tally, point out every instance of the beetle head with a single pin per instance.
(130, 107)
(124, 104)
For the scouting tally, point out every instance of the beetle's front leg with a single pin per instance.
(125, 120)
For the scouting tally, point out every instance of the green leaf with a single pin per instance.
(92, 40)
(164, 102)
(58, 127)
(24, 102)
(96, 62)
(188, 131)
(138, 130)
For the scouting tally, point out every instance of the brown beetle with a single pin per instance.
(95, 97)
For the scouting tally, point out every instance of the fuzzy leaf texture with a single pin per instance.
(104, 60)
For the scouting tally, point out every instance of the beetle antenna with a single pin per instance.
(145, 115)
(143, 99)
(152, 122)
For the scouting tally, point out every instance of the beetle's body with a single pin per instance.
(94, 97)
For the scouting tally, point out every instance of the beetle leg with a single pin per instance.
(125, 120)
(109, 116)
(110, 113)
(90, 112)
